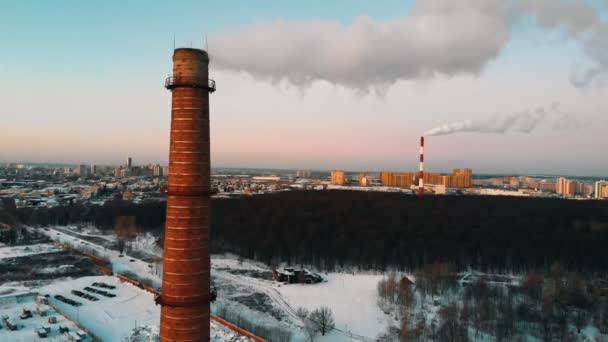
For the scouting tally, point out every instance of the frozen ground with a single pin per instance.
(20, 251)
(120, 262)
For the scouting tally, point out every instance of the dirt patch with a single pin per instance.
(46, 266)
(260, 302)
(266, 275)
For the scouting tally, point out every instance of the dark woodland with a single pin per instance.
(371, 230)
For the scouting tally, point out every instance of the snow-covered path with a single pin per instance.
(120, 262)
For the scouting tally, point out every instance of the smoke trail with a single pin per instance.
(523, 122)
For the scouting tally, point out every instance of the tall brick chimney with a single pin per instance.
(185, 297)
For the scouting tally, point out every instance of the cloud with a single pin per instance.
(439, 37)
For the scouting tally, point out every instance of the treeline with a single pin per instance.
(380, 230)
(373, 230)
(150, 216)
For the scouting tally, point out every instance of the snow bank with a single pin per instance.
(21, 251)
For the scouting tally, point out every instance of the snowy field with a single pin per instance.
(20, 251)
(352, 299)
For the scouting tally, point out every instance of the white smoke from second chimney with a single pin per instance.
(522, 122)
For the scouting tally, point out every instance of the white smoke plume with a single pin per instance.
(439, 37)
(523, 122)
(580, 22)
(446, 37)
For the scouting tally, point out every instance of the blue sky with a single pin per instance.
(82, 82)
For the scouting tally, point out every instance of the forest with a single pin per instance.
(373, 230)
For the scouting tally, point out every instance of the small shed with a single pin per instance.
(42, 310)
(72, 336)
(26, 314)
(11, 325)
(42, 333)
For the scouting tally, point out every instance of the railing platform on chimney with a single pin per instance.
(189, 81)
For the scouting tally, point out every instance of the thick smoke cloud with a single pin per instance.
(439, 37)
(446, 37)
(523, 122)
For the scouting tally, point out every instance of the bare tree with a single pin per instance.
(532, 284)
(310, 330)
(302, 313)
(404, 329)
(120, 244)
(449, 329)
(323, 319)
(580, 320)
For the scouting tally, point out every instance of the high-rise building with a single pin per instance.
(571, 188)
(303, 174)
(129, 163)
(560, 185)
(567, 187)
(406, 179)
(338, 177)
(93, 169)
(600, 189)
(81, 170)
(158, 171)
(116, 172)
(362, 179)
(165, 171)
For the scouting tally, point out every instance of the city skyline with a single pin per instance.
(99, 93)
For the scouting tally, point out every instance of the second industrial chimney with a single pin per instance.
(185, 297)
(421, 176)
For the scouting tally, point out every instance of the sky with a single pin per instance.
(510, 86)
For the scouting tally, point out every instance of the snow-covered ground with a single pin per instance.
(132, 313)
(352, 299)
(120, 262)
(20, 251)
(13, 306)
(110, 319)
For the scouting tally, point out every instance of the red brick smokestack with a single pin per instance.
(185, 288)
